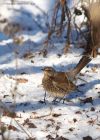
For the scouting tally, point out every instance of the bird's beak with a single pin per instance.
(42, 69)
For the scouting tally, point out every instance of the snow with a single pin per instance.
(72, 120)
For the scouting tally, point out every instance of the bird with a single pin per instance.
(57, 83)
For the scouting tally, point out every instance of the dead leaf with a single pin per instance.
(56, 115)
(3, 128)
(78, 112)
(20, 80)
(98, 124)
(81, 74)
(18, 40)
(94, 69)
(57, 127)
(26, 121)
(5, 96)
(59, 55)
(49, 137)
(11, 127)
(87, 138)
(61, 138)
(75, 120)
(31, 125)
(41, 102)
(71, 129)
(31, 139)
(9, 114)
(28, 55)
(91, 122)
(48, 125)
(32, 61)
(22, 73)
(92, 109)
(51, 120)
(87, 71)
(43, 52)
(87, 100)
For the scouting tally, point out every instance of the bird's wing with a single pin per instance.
(60, 76)
(64, 86)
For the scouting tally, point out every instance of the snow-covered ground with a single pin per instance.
(21, 90)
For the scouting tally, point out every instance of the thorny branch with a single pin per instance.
(63, 17)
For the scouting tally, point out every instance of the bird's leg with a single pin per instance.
(45, 97)
(55, 100)
(63, 98)
(67, 100)
(44, 100)
(60, 100)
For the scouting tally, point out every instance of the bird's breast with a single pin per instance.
(47, 84)
(53, 90)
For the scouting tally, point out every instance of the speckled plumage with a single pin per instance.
(57, 83)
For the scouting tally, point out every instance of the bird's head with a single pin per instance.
(48, 71)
